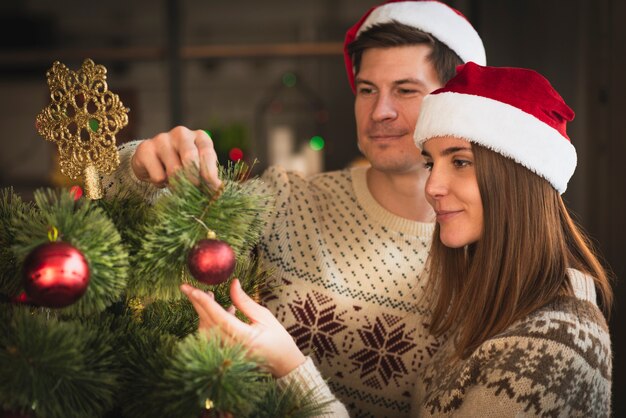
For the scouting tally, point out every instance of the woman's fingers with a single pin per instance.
(247, 305)
(217, 316)
(205, 321)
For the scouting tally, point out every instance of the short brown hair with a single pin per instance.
(393, 34)
(518, 265)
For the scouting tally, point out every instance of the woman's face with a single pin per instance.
(452, 190)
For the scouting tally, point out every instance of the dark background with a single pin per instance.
(229, 67)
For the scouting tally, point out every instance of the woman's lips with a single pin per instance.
(445, 215)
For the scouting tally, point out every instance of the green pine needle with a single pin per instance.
(53, 368)
(144, 355)
(290, 402)
(200, 368)
(129, 214)
(177, 318)
(11, 206)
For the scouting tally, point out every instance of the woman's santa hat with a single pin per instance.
(512, 111)
(443, 22)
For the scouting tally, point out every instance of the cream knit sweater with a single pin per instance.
(351, 284)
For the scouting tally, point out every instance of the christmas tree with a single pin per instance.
(92, 322)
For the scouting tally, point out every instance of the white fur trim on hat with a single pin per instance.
(502, 128)
(437, 19)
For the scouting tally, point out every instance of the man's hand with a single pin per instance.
(265, 337)
(158, 158)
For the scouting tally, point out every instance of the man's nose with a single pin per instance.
(385, 108)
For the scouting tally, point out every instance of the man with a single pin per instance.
(349, 247)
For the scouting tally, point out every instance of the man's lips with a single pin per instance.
(386, 136)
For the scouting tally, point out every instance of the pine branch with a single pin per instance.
(129, 214)
(11, 206)
(183, 217)
(176, 318)
(53, 368)
(85, 226)
(144, 353)
(200, 368)
(290, 402)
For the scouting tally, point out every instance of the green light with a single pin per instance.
(94, 125)
(289, 79)
(316, 143)
(208, 133)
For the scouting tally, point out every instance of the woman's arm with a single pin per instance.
(266, 338)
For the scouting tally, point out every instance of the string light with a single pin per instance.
(235, 154)
(289, 79)
(316, 143)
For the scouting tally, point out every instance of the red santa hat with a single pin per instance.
(512, 111)
(443, 22)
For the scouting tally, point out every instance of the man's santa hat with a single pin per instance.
(512, 111)
(443, 22)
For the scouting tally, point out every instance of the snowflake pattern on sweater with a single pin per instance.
(351, 280)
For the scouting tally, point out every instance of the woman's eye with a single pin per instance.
(462, 163)
(428, 166)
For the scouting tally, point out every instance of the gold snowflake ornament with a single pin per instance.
(83, 119)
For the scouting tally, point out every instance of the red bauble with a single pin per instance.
(211, 261)
(55, 275)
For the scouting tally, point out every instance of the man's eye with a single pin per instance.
(428, 166)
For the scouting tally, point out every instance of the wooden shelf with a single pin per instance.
(35, 57)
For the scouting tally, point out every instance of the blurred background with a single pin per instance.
(267, 80)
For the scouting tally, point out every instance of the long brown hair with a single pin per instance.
(518, 265)
(386, 35)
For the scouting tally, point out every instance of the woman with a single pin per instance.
(513, 279)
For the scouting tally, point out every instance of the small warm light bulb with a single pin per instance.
(289, 79)
(316, 143)
(235, 154)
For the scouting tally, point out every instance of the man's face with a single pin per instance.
(390, 86)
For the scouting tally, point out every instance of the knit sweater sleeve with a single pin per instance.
(279, 185)
(308, 379)
(123, 180)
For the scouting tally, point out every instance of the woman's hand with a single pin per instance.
(265, 337)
